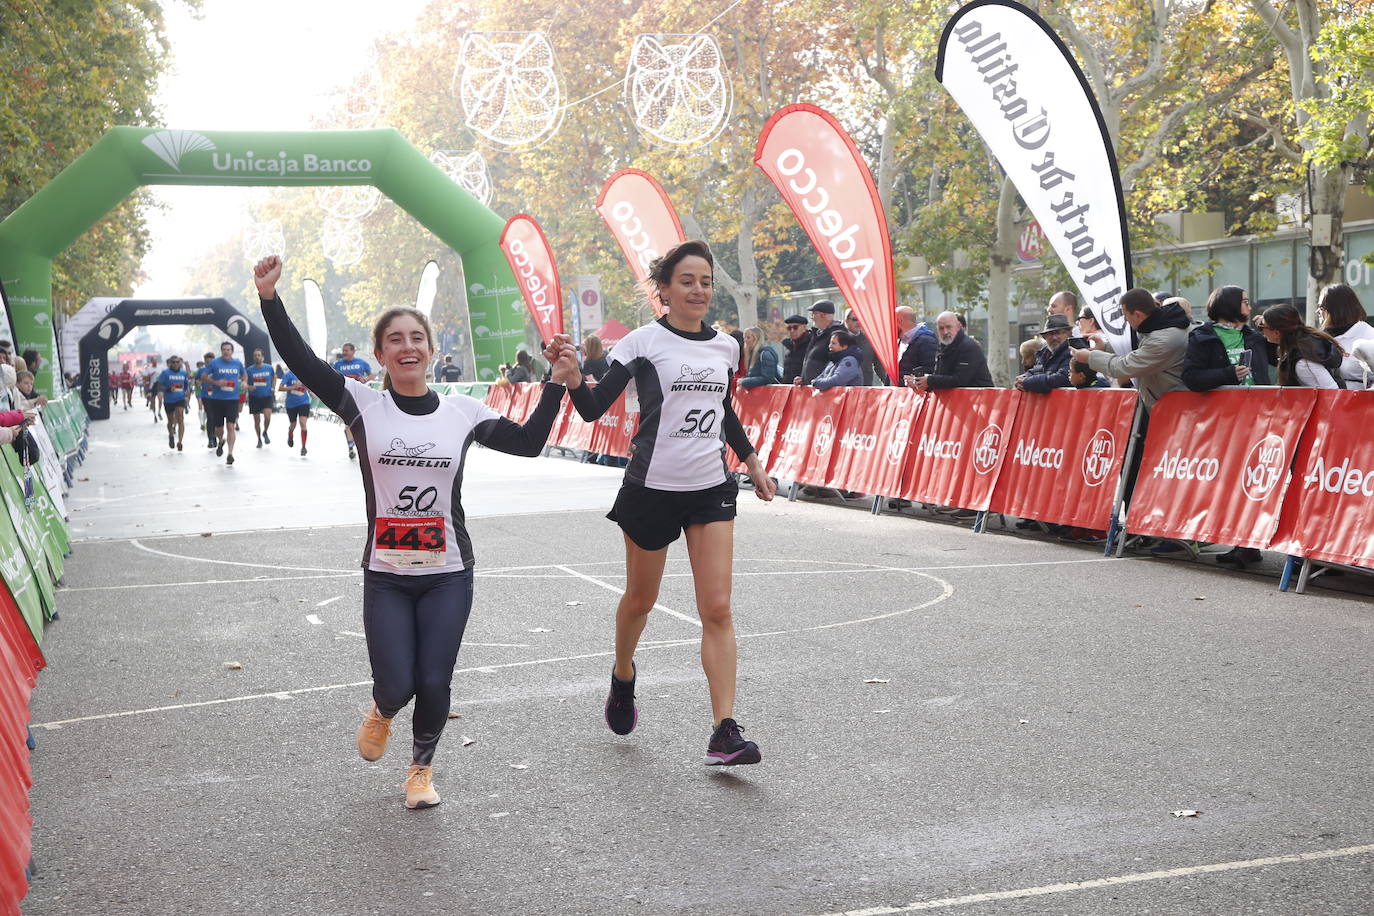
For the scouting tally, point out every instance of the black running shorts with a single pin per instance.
(653, 519)
(175, 405)
(218, 412)
(258, 405)
(296, 413)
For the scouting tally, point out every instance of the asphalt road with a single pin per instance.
(1038, 715)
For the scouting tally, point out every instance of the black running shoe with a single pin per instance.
(621, 714)
(351, 455)
(178, 446)
(728, 749)
(229, 460)
(171, 441)
(259, 442)
(266, 438)
(290, 441)
(219, 449)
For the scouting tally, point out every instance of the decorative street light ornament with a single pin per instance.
(508, 87)
(467, 168)
(677, 88)
(341, 241)
(351, 201)
(358, 104)
(262, 239)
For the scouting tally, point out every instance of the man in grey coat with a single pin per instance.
(1156, 365)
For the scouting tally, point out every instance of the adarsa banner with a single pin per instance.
(1028, 99)
(1064, 457)
(819, 172)
(1329, 512)
(1216, 465)
(642, 220)
(531, 259)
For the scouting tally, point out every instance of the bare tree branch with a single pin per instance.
(1159, 15)
(1287, 150)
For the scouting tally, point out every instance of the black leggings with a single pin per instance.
(414, 626)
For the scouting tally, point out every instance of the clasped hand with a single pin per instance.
(561, 355)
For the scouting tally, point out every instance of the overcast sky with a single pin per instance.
(249, 65)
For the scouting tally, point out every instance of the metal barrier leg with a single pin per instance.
(792, 492)
(1113, 532)
(877, 508)
(1304, 575)
(1287, 575)
(980, 522)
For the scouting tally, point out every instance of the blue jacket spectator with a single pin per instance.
(919, 356)
(761, 359)
(843, 370)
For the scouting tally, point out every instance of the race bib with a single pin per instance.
(410, 543)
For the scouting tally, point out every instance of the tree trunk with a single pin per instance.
(1325, 263)
(999, 286)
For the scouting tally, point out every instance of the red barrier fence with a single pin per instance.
(1215, 466)
(20, 662)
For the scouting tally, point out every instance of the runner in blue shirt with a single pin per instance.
(172, 386)
(224, 377)
(262, 399)
(350, 366)
(297, 406)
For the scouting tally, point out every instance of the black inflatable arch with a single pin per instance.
(132, 313)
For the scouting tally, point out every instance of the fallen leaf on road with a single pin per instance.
(454, 715)
(468, 741)
(573, 603)
(878, 680)
(207, 534)
(1200, 598)
(519, 766)
(1187, 813)
(233, 666)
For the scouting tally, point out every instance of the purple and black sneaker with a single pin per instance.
(621, 714)
(728, 749)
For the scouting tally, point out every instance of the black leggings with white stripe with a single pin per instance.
(414, 626)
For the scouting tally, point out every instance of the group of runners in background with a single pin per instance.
(221, 387)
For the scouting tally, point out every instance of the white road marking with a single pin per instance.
(328, 601)
(1116, 881)
(314, 619)
(947, 590)
(620, 591)
(175, 556)
(105, 588)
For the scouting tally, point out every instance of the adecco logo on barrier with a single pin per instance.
(1186, 467)
(825, 435)
(987, 448)
(1264, 466)
(1098, 456)
(896, 444)
(1340, 478)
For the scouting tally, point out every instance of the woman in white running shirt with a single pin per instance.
(678, 481)
(418, 558)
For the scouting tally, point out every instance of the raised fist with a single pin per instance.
(266, 273)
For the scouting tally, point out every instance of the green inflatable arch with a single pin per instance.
(128, 157)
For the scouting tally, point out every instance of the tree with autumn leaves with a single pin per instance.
(1200, 99)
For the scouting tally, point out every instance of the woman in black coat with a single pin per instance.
(1226, 350)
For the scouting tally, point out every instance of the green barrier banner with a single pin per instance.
(14, 566)
(45, 520)
(30, 535)
(129, 157)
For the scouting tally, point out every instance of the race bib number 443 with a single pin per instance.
(409, 543)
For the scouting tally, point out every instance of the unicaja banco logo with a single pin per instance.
(171, 145)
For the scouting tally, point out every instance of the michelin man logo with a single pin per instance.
(171, 145)
(236, 326)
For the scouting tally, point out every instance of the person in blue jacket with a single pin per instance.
(843, 370)
(760, 359)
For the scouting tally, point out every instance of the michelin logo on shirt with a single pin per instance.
(409, 456)
(696, 380)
